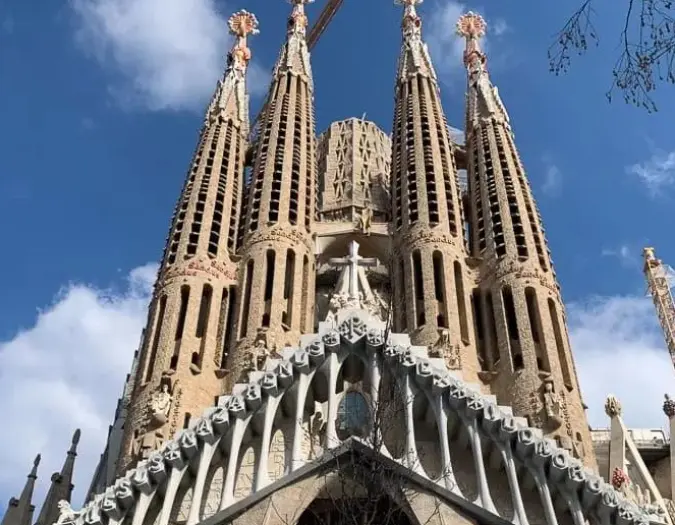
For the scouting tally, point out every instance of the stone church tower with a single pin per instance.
(190, 314)
(350, 309)
(431, 279)
(277, 268)
(522, 343)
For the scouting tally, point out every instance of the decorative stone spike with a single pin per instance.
(612, 406)
(668, 406)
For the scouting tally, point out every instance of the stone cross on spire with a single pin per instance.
(353, 266)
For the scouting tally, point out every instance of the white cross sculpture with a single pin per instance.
(353, 263)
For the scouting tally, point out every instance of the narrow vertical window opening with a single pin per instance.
(287, 318)
(477, 305)
(269, 286)
(156, 337)
(560, 346)
(512, 329)
(493, 348)
(229, 326)
(439, 290)
(203, 324)
(419, 287)
(204, 311)
(535, 327)
(304, 314)
(401, 297)
(246, 306)
(461, 303)
(180, 326)
(182, 313)
(222, 320)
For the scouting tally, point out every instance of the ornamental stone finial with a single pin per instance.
(471, 26)
(668, 406)
(612, 406)
(242, 23)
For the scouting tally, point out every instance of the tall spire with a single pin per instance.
(484, 99)
(187, 334)
(524, 344)
(431, 278)
(61, 487)
(277, 265)
(231, 99)
(20, 511)
(294, 56)
(414, 56)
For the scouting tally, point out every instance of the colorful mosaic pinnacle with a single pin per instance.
(242, 23)
(619, 478)
(471, 26)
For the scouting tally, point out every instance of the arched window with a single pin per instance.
(353, 417)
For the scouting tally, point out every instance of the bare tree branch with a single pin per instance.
(647, 43)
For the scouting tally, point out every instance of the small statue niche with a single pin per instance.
(553, 406)
(160, 404)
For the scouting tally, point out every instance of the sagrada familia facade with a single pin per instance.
(337, 317)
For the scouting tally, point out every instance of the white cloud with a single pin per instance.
(552, 178)
(627, 256)
(657, 173)
(66, 372)
(457, 135)
(445, 46)
(619, 349)
(166, 54)
(500, 27)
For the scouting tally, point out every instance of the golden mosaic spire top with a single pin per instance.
(241, 24)
(472, 27)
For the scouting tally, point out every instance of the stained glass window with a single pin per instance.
(353, 416)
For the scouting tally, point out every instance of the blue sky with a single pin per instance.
(101, 101)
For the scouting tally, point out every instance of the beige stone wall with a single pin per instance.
(353, 169)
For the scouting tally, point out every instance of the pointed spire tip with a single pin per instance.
(37, 459)
(76, 437)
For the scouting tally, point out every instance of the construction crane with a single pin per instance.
(659, 279)
(325, 17)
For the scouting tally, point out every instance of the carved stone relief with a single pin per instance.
(553, 406)
(445, 349)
